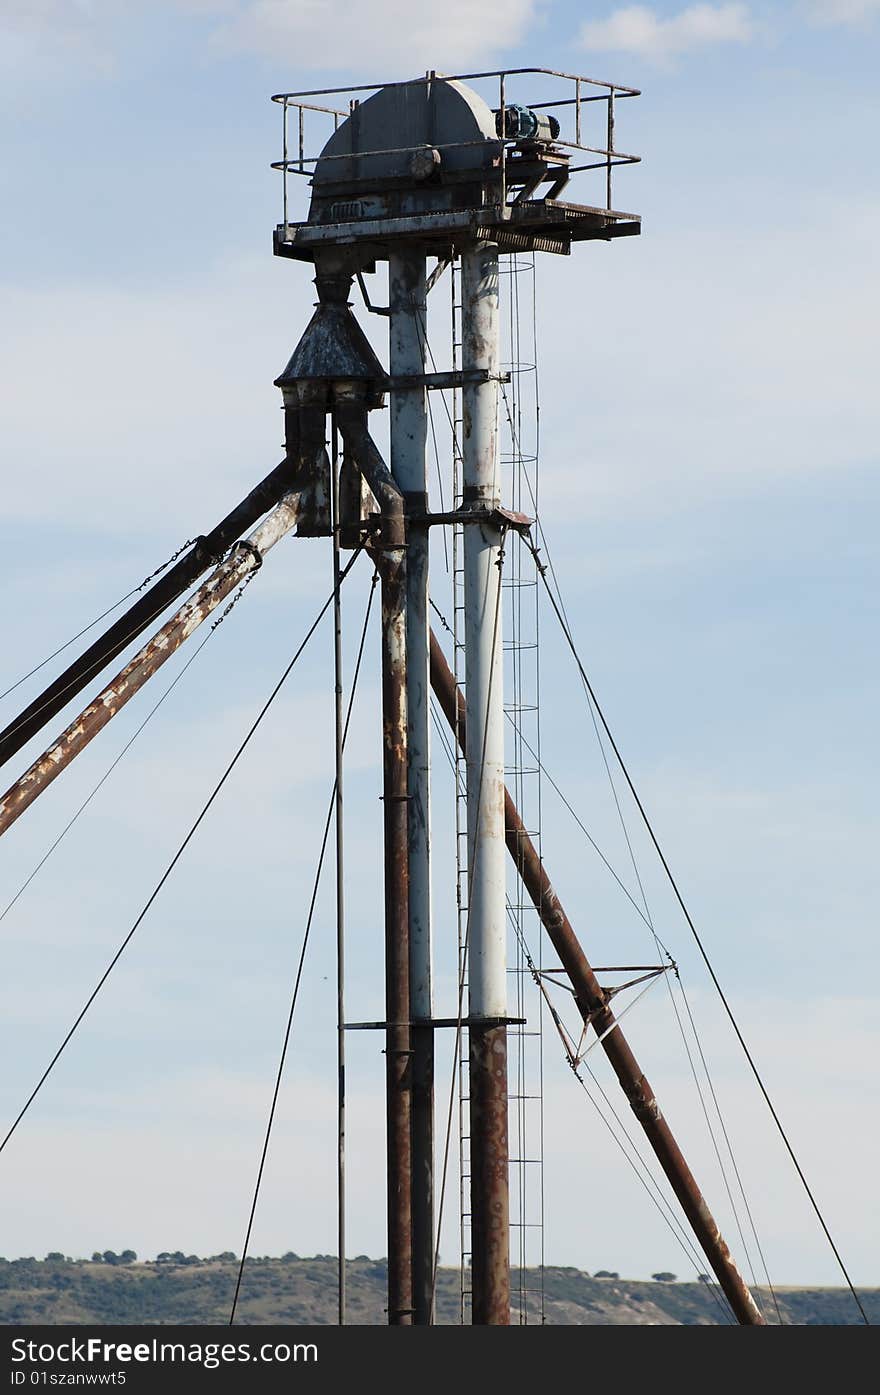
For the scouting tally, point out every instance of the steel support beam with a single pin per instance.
(409, 434)
(389, 553)
(148, 607)
(593, 1006)
(147, 661)
(486, 904)
(339, 833)
(397, 970)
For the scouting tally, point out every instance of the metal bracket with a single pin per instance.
(373, 309)
(499, 517)
(244, 546)
(612, 969)
(442, 264)
(437, 1022)
(440, 382)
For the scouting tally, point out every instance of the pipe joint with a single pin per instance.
(351, 416)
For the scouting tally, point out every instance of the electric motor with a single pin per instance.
(521, 123)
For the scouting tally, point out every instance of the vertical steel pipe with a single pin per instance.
(408, 434)
(593, 1007)
(397, 995)
(486, 908)
(390, 553)
(339, 734)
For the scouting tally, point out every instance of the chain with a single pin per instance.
(190, 542)
(235, 599)
(441, 617)
(193, 542)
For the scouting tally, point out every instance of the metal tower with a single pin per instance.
(412, 170)
(419, 168)
(423, 168)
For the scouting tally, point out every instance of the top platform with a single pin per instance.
(431, 163)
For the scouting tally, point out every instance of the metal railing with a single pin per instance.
(573, 109)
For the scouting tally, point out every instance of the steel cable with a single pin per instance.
(97, 620)
(107, 773)
(542, 570)
(299, 969)
(661, 947)
(173, 863)
(647, 1181)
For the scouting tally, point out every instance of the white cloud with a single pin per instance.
(833, 12)
(637, 29)
(317, 34)
(56, 35)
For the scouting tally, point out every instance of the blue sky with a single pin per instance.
(709, 489)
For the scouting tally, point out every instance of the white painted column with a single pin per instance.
(487, 853)
(484, 683)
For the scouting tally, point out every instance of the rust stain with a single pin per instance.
(592, 1004)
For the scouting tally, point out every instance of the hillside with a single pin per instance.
(182, 1289)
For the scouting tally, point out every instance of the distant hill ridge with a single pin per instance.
(178, 1288)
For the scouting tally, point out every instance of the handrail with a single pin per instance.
(569, 104)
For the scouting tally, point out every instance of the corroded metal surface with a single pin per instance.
(351, 415)
(490, 1200)
(333, 347)
(408, 440)
(312, 463)
(422, 1042)
(593, 1006)
(146, 662)
(428, 163)
(390, 555)
(398, 1042)
(149, 607)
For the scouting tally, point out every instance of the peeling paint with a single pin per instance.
(146, 662)
(594, 1009)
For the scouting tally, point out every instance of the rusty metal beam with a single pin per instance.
(148, 607)
(389, 553)
(593, 1006)
(490, 1192)
(408, 434)
(398, 1044)
(147, 661)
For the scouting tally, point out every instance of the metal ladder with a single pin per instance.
(461, 848)
(520, 646)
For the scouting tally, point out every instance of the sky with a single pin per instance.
(708, 494)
